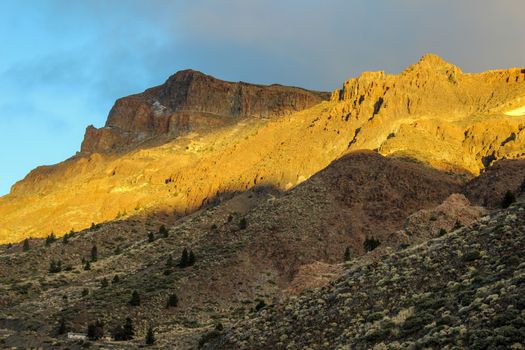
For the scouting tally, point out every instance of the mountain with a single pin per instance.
(236, 216)
(432, 113)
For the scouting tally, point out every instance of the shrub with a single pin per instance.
(87, 265)
(85, 292)
(151, 237)
(65, 239)
(522, 187)
(104, 282)
(370, 244)
(173, 301)
(260, 305)
(115, 279)
(118, 250)
(415, 323)
(471, 256)
(135, 299)
(508, 199)
(55, 266)
(442, 232)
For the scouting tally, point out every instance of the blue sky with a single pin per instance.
(64, 62)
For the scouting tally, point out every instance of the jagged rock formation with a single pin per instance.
(192, 101)
(437, 114)
(431, 112)
(464, 290)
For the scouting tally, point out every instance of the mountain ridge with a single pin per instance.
(190, 100)
(449, 120)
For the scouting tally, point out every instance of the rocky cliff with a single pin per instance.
(192, 101)
(431, 113)
(435, 113)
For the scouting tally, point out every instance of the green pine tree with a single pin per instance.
(173, 301)
(191, 258)
(62, 327)
(163, 231)
(169, 262)
(347, 255)
(50, 239)
(243, 223)
(25, 246)
(129, 332)
(370, 244)
(135, 299)
(94, 253)
(150, 336)
(183, 262)
(508, 199)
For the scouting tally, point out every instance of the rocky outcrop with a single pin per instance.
(192, 101)
(435, 113)
(454, 213)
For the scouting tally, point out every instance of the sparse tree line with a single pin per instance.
(122, 332)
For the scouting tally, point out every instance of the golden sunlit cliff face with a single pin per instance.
(431, 112)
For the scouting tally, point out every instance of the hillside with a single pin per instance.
(463, 290)
(431, 112)
(285, 235)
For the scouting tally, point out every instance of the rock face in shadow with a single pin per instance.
(490, 187)
(191, 101)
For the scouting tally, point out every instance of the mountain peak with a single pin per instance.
(188, 74)
(433, 62)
